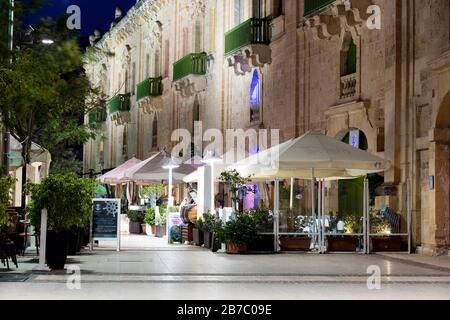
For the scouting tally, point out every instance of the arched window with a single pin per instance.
(125, 143)
(155, 132)
(255, 97)
(157, 69)
(238, 12)
(348, 55)
(198, 37)
(195, 118)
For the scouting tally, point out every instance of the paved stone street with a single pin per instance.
(155, 270)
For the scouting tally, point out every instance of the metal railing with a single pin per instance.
(120, 102)
(193, 63)
(252, 31)
(151, 87)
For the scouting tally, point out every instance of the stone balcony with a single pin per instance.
(248, 45)
(326, 19)
(149, 95)
(189, 74)
(119, 109)
(349, 86)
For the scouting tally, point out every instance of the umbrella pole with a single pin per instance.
(276, 209)
(291, 199)
(170, 198)
(322, 190)
(366, 217)
(313, 205)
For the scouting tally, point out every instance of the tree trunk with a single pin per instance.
(26, 146)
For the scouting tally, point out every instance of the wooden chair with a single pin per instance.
(7, 251)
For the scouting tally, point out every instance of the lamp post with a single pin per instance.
(210, 159)
(6, 142)
(170, 164)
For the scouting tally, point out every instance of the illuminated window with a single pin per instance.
(255, 97)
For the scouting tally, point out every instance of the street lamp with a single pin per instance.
(47, 41)
(210, 159)
(170, 164)
(6, 134)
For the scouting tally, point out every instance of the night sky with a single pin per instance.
(94, 13)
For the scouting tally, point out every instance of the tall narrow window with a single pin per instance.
(255, 97)
(154, 132)
(127, 82)
(133, 78)
(166, 58)
(195, 117)
(185, 41)
(257, 9)
(348, 56)
(238, 11)
(157, 66)
(278, 8)
(125, 143)
(198, 37)
(147, 65)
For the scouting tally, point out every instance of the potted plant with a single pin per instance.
(161, 223)
(136, 221)
(152, 193)
(237, 185)
(347, 242)
(68, 200)
(197, 232)
(238, 233)
(264, 224)
(150, 221)
(304, 225)
(383, 241)
(210, 225)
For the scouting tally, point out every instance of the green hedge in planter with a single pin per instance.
(240, 230)
(67, 198)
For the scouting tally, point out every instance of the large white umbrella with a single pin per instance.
(116, 176)
(328, 157)
(151, 170)
(313, 155)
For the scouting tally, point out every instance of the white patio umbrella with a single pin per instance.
(313, 155)
(115, 176)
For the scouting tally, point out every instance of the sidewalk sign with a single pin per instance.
(105, 220)
(174, 224)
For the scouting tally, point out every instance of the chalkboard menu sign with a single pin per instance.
(105, 218)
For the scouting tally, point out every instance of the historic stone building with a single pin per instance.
(293, 65)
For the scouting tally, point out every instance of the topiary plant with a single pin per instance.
(67, 198)
(150, 217)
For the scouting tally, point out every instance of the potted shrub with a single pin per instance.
(197, 232)
(238, 233)
(264, 224)
(150, 221)
(383, 241)
(68, 200)
(136, 221)
(237, 185)
(161, 223)
(303, 224)
(210, 225)
(346, 242)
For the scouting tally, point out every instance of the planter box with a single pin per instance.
(342, 243)
(150, 230)
(386, 244)
(208, 239)
(236, 249)
(160, 231)
(295, 243)
(135, 227)
(264, 243)
(197, 236)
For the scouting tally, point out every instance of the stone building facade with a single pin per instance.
(293, 65)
